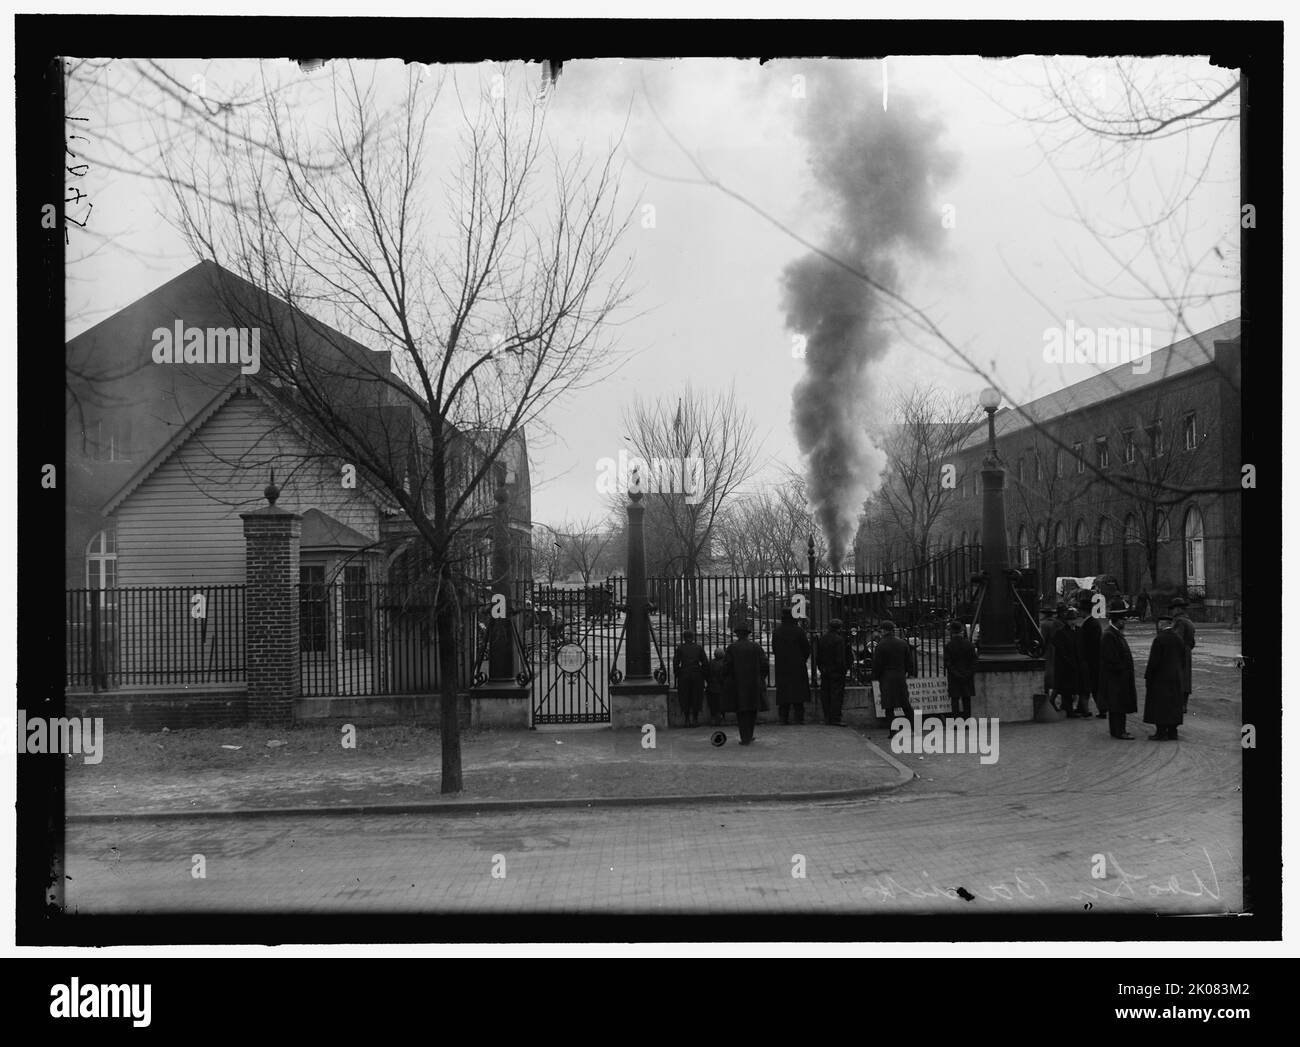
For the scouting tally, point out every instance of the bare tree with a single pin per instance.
(928, 429)
(547, 556)
(483, 321)
(767, 532)
(586, 545)
(700, 449)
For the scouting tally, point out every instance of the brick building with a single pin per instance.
(1133, 472)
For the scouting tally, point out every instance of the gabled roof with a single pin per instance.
(1178, 358)
(182, 436)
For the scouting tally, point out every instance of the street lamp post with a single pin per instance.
(997, 615)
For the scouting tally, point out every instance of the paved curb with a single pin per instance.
(905, 775)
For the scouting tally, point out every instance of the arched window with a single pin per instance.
(1105, 539)
(101, 561)
(1022, 547)
(1162, 526)
(1132, 534)
(1080, 546)
(1194, 551)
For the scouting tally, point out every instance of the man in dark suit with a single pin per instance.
(790, 651)
(1071, 670)
(893, 663)
(959, 661)
(745, 671)
(691, 670)
(832, 663)
(1182, 625)
(1116, 685)
(1164, 676)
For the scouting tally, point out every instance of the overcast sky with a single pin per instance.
(707, 273)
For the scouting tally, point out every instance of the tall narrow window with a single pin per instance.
(1103, 453)
(1162, 526)
(354, 608)
(1189, 432)
(1130, 448)
(1157, 434)
(101, 561)
(1194, 551)
(1078, 457)
(311, 608)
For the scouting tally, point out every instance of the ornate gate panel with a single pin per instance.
(571, 642)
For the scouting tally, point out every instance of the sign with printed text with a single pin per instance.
(928, 694)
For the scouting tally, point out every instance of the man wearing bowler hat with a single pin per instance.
(832, 661)
(1116, 685)
(745, 671)
(893, 664)
(1182, 625)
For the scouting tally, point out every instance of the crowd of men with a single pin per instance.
(1084, 661)
(735, 680)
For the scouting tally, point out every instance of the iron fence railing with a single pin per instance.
(371, 638)
(142, 636)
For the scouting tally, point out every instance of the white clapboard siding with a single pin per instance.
(181, 526)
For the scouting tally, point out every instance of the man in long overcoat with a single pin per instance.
(893, 663)
(959, 659)
(1187, 633)
(691, 670)
(1071, 669)
(1116, 686)
(744, 673)
(790, 650)
(1091, 635)
(833, 663)
(1164, 675)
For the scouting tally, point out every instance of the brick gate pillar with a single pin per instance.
(271, 541)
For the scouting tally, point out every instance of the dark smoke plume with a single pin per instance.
(875, 171)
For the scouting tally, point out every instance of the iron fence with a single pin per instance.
(920, 600)
(143, 636)
(363, 638)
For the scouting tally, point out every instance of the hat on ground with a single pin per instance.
(1177, 601)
